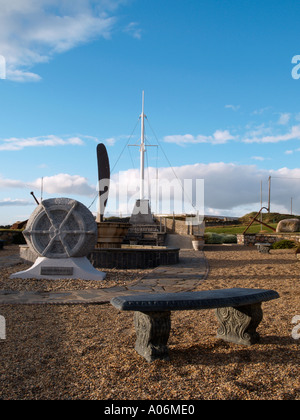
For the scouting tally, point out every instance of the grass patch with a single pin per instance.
(237, 229)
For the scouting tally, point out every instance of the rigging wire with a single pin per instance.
(125, 146)
(117, 161)
(179, 180)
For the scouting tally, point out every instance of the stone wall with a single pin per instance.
(170, 225)
(128, 257)
(131, 258)
(250, 239)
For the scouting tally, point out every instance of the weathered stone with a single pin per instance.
(206, 299)
(288, 225)
(263, 248)
(238, 325)
(238, 310)
(152, 334)
(61, 231)
(61, 228)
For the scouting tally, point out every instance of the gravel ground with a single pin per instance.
(87, 352)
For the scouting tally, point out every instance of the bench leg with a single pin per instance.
(152, 334)
(238, 325)
(264, 249)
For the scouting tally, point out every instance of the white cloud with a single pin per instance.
(293, 134)
(21, 76)
(261, 110)
(32, 31)
(14, 143)
(56, 184)
(110, 141)
(230, 189)
(233, 107)
(65, 184)
(185, 139)
(259, 158)
(11, 183)
(8, 202)
(219, 137)
(257, 131)
(284, 119)
(134, 30)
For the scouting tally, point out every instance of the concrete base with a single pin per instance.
(64, 268)
(179, 241)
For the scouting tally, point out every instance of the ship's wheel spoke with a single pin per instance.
(53, 224)
(49, 246)
(67, 216)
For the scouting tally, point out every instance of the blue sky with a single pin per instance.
(220, 97)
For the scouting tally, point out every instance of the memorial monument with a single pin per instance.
(62, 232)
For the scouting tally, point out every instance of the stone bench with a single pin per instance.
(238, 310)
(263, 247)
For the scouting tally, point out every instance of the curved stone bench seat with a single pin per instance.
(238, 310)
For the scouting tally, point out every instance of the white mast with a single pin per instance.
(142, 151)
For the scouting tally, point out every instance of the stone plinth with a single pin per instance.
(141, 214)
(67, 268)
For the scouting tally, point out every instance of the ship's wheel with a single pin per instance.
(61, 228)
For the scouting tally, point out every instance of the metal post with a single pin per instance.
(261, 204)
(269, 201)
(142, 150)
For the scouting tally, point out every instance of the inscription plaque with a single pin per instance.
(56, 271)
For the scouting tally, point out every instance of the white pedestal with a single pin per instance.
(63, 268)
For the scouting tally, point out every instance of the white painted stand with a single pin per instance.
(61, 268)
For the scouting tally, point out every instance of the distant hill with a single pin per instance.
(267, 217)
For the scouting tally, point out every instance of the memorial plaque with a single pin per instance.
(56, 271)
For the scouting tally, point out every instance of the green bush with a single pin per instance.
(230, 239)
(284, 244)
(19, 239)
(213, 238)
(219, 238)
